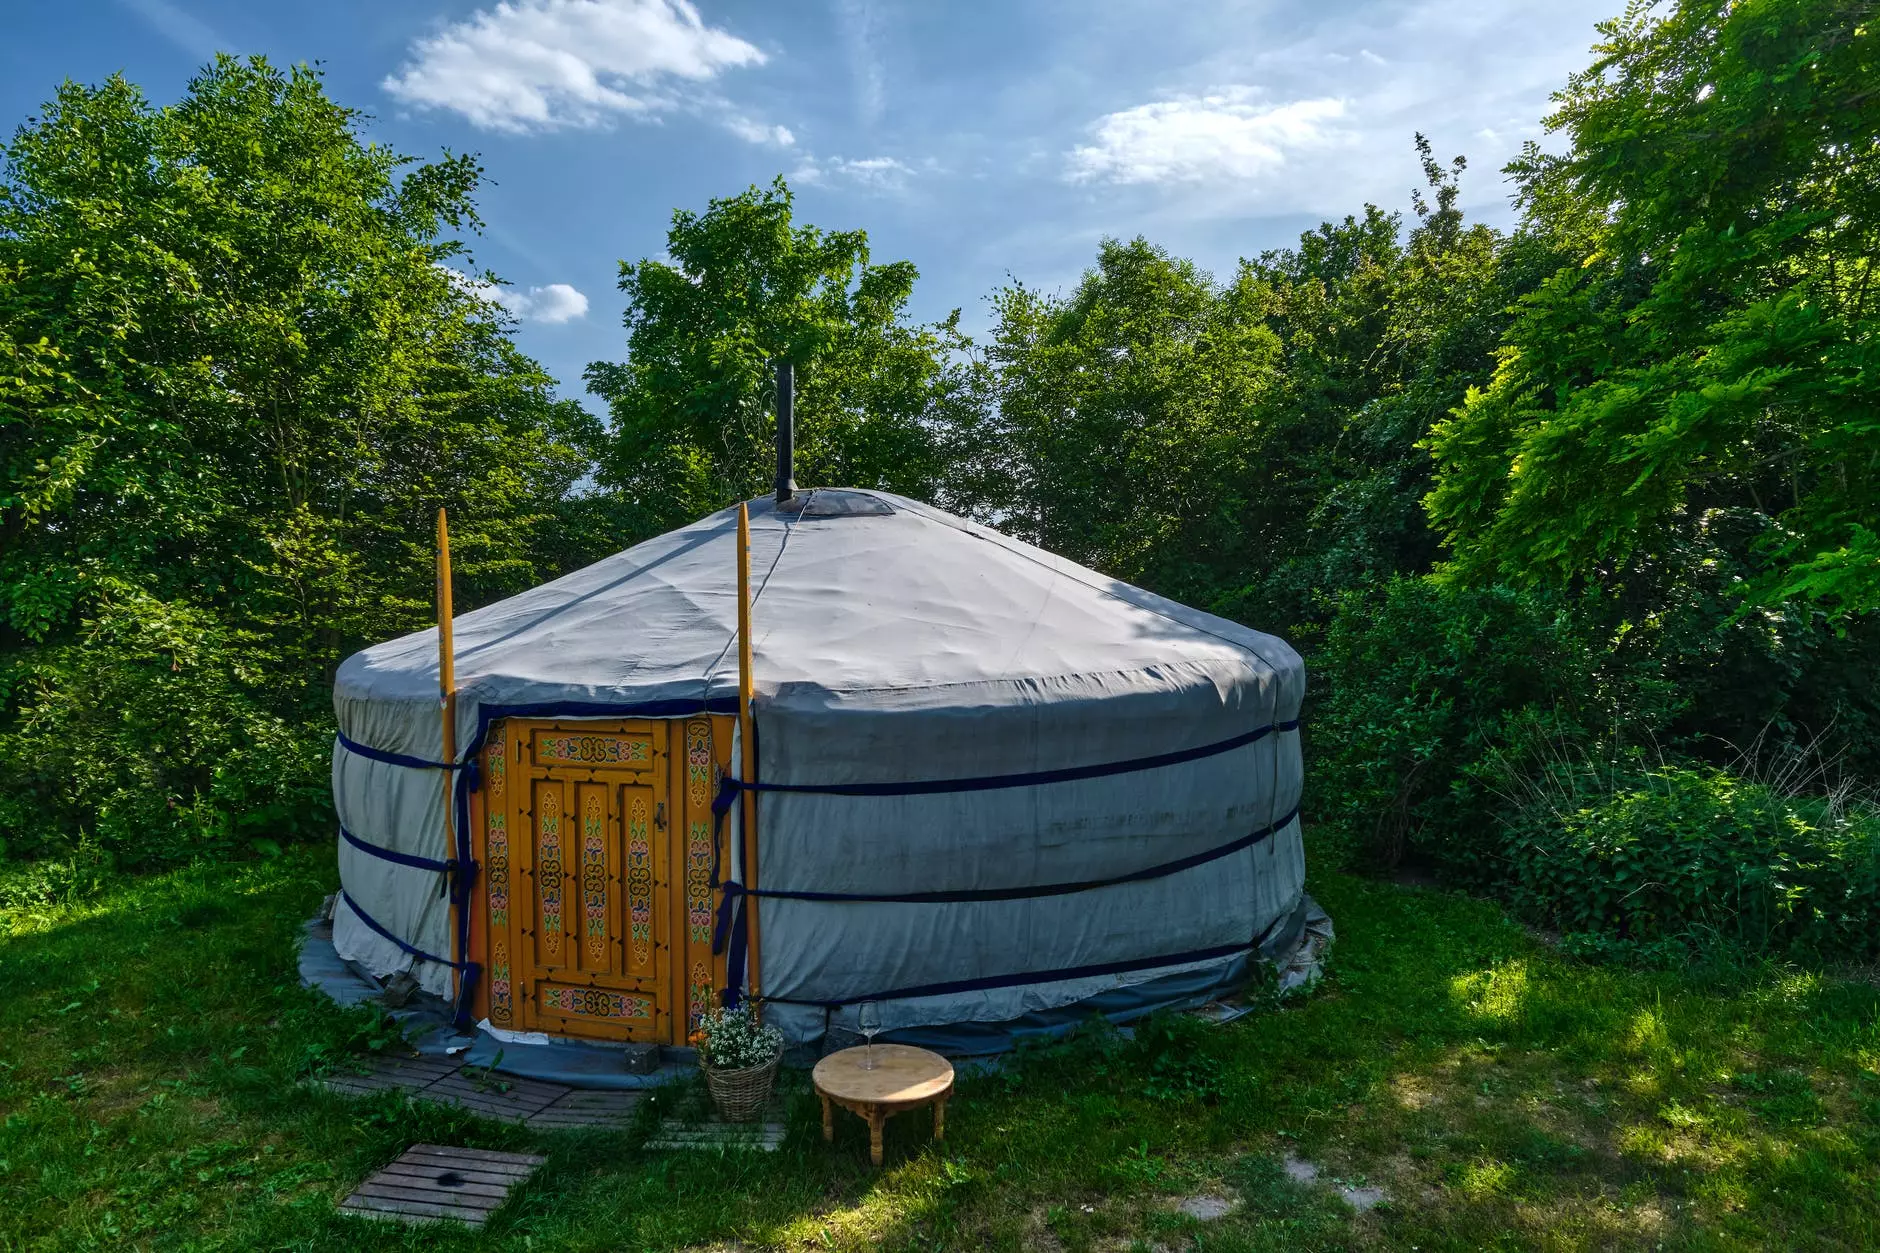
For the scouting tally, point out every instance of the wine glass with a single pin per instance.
(868, 1019)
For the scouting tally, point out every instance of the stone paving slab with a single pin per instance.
(764, 1134)
(504, 1099)
(580, 1108)
(547, 1106)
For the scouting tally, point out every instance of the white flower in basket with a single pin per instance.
(739, 1056)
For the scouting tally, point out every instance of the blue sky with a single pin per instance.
(980, 141)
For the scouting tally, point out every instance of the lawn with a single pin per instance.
(152, 1040)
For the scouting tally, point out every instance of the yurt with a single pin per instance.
(979, 786)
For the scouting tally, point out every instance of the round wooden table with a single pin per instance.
(904, 1077)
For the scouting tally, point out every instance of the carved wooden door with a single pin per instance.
(595, 906)
(578, 879)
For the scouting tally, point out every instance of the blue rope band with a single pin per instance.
(375, 925)
(1020, 980)
(729, 787)
(394, 759)
(1026, 893)
(392, 855)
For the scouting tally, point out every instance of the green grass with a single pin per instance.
(152, 1036)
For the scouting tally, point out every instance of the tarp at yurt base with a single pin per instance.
(995, 791)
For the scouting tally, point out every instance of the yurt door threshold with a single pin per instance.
(594, 916)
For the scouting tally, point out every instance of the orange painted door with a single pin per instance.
(707, 752)
(596, 906)
(584, 884)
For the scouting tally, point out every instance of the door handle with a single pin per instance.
(659, 816)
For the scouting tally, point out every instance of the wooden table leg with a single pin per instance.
(876, 1121)
(940, 1119)
(829, 1119)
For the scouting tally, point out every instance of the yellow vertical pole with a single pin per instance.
(447, 704)
(748, 765)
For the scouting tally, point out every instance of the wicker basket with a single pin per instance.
(741, 1095)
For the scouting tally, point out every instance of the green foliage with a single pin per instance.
(1426, 689)
(163, 732)
(742, 288)
(1180, 1056)
(1249, 444)
(1695, 855)
(236, 381)
(1714, 348)
(1128, 415)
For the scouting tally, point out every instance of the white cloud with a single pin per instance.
(550, 305)
(555, 303)
(180, 27)
(541, 64)
(1225, 136)
(758, 133)
(861, 38)
(877, 172)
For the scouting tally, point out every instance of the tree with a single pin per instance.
(1129, 411)
(742, 288)
(1703, 382)
(239, 380)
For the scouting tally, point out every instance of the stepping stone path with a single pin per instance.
(445, 1081)
(1207, 1206)
(432, 1182)
(1361, 1199)
(547, 1106)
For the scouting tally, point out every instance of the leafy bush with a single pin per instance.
(1425, 687)
(1688, 853)
(155, 736)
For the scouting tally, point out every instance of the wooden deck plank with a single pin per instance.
(486, 1155)
(517, 1164)
(516, 1101)
(428, 1182)
(602, 1100)
(409, 1188)
(384, 1074)
(431, 1170)
(427, 1209)
(411, 1211)
(430, 1196)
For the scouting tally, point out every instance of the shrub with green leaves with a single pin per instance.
(1692, 854)
(1424, 687)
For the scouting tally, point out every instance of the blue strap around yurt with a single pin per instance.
(990, 982)
(394, 759)
(729, 787)
(379, 927)
(393, 855)
(731, 933)
(965, 895)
